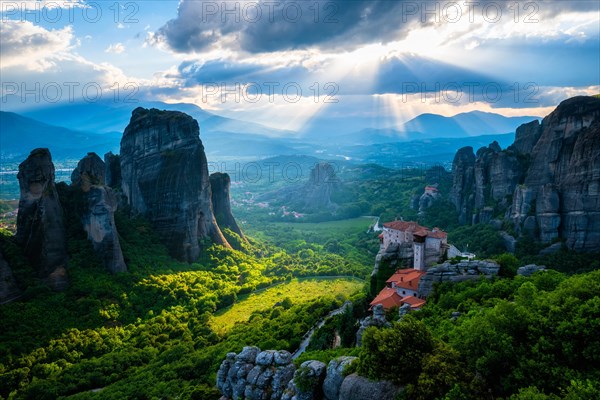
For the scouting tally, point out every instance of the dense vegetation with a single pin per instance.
(521, 338)
(149, 333)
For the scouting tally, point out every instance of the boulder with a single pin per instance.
(335, 377)
(530, 269)
(356, 387)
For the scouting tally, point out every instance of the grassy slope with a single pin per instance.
(299, 291)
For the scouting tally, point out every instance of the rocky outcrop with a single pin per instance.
(459, 272)
(112, 164)
(99, 211)
(547, 182)
(377, 319)
(255, 374)
(560, 196)
(220, 184)
(356, 387)
(526, 137)
(488, 178)
(9, 290)
(165, 178)
(321, 184)
(335, 377)
(270, 375)
(463, 183)
(530, 269)
(429, 196)
(40, 224)
(307, 383)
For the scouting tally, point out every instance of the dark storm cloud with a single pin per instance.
(266, 26)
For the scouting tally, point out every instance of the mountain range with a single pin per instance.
(73, 129)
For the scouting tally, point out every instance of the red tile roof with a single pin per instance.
(433, 188)
(406, 226)
(407, 278)
(413, 301)
(437, 234)
(416, 229)
(388, 298)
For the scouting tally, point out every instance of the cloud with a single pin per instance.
(10, 7)
(116, 48)
(262, 26)
(32, 47)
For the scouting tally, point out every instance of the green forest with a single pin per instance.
(161, 330)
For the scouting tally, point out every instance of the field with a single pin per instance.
(298, 291)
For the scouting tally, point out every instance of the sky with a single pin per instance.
(289, 63)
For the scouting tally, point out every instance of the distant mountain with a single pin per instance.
(106, 116)
(424, 126)
(21, 134)
(413, 153)
(474, 123)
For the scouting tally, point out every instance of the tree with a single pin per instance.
(395, 353)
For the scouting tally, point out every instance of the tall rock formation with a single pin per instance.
(40, 225)
(484, 180)
(220, 184)
(462, 192)
(99, 211)
(547, 182)
(560, 197)
(164, 175)
(321, 184)
(9, 290)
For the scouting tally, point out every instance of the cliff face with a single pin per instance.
(482, 180)
(40, 225)
(547, 182)
(99, 213)
(164, 175)
(220, 184)
(320, 186)
(560, 197)
(463, 181)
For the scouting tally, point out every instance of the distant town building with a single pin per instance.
(429, 246)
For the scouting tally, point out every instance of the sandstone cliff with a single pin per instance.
(164, 175)
(40, 225)
(98, 217)
(220, 185)
(547, 182)
(561, 191)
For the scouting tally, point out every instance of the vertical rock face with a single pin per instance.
(490, 177)
(463, 182)
(220, 186)
(560, 197)
(552, 172)
(320, 186)
(113, 170)
(526, 137)
(8, 287)
(40, 225)
(165, 177)
(99, 214)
